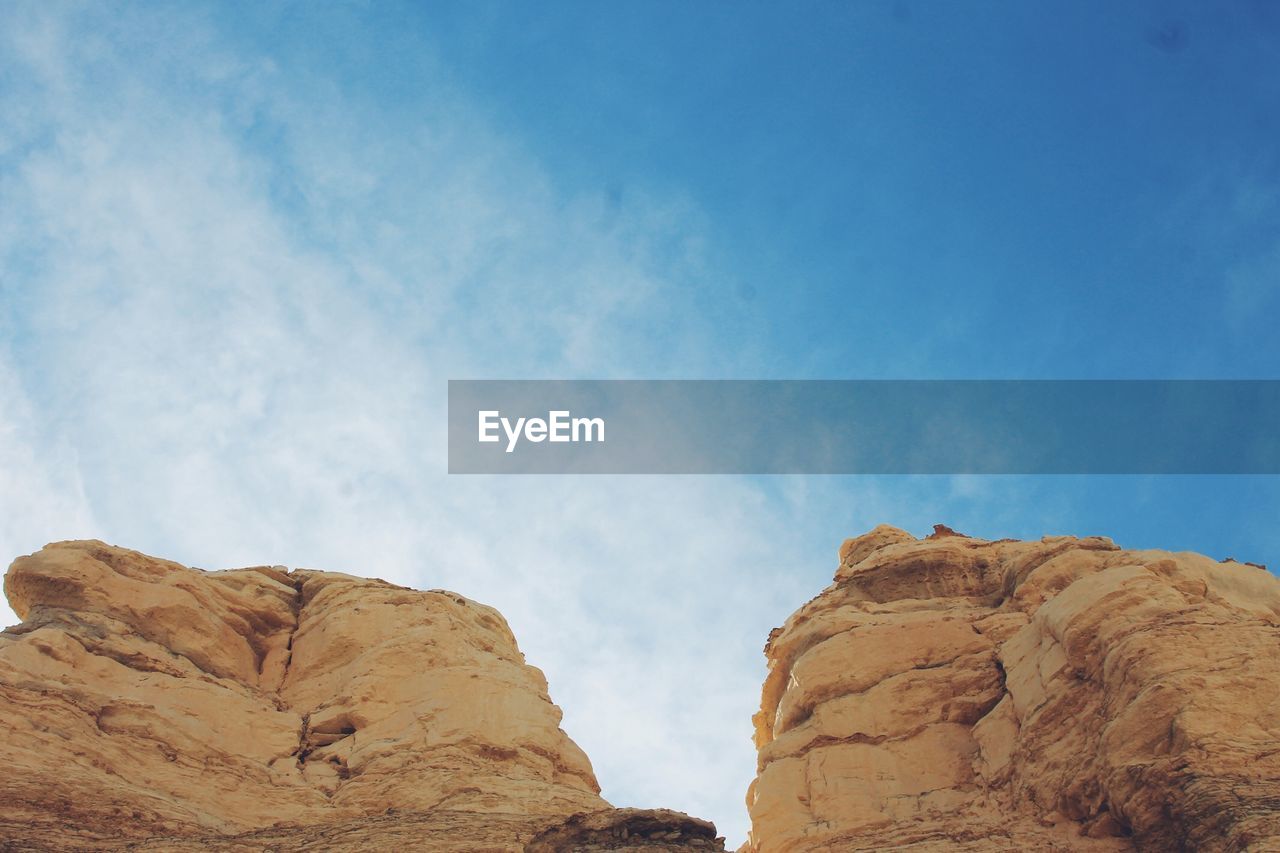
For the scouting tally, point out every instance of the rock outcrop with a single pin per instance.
(149, 705)
(958, 694)
(942, 694)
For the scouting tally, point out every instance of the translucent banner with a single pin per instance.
(864, 427)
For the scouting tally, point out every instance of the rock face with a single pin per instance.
(942, 694)
(145, 703)
(958, 694)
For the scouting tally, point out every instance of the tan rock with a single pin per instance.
(957, 694)
(142, 702)
(626, 829)
(942, 694)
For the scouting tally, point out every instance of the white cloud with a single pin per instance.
(231, 292)
(226, 353)
(232, 295)
(42, 498)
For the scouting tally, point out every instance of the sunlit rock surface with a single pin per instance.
(957, 694)
(946, 694)
(142, 702)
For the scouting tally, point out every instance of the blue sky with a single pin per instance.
(243, 247)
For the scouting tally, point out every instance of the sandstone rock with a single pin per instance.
(149, 705)
(942, 694)
(640, 829)
(958, 694)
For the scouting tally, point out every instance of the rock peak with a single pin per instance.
(951, 693)
(180, 704)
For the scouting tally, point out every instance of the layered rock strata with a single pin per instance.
(958, 694)
(145, 703)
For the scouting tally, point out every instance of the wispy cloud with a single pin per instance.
(232, 287)
(233, 302)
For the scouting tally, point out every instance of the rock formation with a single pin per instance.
(942, 694)
(958, 694)
(146, 704)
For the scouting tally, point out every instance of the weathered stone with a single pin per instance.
(146, 703)
(942, 694)
(957, 694)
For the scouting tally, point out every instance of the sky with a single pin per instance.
(244, 246)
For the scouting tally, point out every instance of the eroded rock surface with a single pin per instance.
(145, 703)
(958, 694)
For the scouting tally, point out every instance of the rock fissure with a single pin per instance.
(295, 607)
